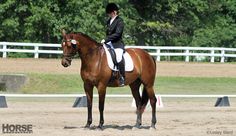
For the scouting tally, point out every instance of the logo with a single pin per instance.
(17, 128)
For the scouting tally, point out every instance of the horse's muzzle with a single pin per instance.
(66, 61)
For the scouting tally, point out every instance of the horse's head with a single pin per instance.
(70, 46)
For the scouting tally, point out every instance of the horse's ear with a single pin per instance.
(63, 32)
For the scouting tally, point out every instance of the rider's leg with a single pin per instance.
(119, 55)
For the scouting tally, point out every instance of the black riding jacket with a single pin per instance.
(114, 32)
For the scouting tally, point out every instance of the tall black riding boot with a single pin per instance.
(121, 66)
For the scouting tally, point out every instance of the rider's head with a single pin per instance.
(112, 9)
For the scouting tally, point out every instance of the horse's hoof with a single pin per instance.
(87, 126)
(136, 127)
(152, 128)
(100, 128)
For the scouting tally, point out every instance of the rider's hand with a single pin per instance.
(103, 41)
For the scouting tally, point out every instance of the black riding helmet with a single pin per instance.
(111, 7)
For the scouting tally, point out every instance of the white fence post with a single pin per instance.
(187, 55)
(222, 60)
(158, 54)
(36, 54)
(212, 56)
(4, 54)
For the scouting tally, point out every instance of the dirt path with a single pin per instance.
(180, 117)
(163, 68)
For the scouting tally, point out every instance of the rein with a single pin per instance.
(77, 49)
(91, 50)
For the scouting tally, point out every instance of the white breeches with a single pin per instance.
(119, 54)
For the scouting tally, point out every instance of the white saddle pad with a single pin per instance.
(129, 65)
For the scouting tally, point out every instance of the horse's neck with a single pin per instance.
(92, 59)
(91, 54)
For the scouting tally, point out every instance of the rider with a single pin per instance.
(115, 26)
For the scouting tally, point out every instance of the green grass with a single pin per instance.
(53, 83)
(61, 83)
(196, 85)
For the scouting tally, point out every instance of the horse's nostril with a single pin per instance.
(65, 65)
(65, 62)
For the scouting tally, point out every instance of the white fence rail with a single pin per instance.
(156, 51)
(187, 52)
(14, 47)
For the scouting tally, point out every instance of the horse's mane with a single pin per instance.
(85, 35)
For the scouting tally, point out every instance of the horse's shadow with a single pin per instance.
(117, 127)
(124, 127)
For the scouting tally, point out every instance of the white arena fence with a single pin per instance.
(110, 95)
(198, 53)
(159, 104)
(159, 97)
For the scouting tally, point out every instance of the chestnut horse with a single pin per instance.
(95, 72)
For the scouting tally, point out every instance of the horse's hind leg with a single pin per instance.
(135, 92)
(153, 101)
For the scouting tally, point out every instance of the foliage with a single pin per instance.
(190, 22)
(147, 22)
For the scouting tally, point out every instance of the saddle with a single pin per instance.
(129, 65)
(114, 65)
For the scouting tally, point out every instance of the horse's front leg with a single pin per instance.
(89, 93)
(102, 93)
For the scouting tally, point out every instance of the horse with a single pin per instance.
(96, 73)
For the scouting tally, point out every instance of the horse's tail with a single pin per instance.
(145, 97)
(154, 60)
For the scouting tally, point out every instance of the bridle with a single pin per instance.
(73, 43)
(74, 46)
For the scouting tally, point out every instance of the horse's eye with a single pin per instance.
(74, 45)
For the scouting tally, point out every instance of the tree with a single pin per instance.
(12, 15)
(186, 23)
(218, 25)
(147, 22)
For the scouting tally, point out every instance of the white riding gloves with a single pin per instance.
(103, 41)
